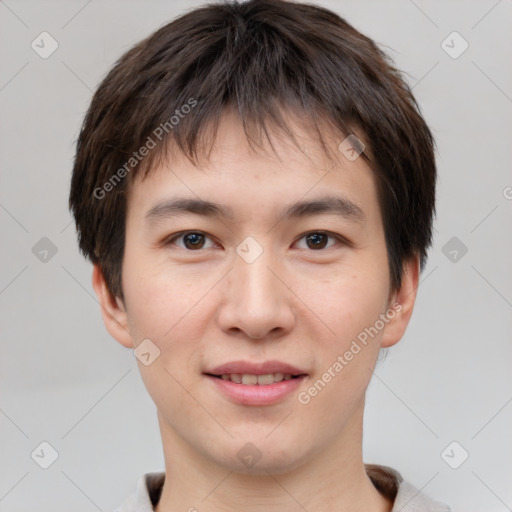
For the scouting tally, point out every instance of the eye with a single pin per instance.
(192, 240)
(197, 240)
(318, 240)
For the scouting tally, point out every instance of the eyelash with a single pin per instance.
(339, 238)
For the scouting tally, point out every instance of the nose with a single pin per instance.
(257, 302)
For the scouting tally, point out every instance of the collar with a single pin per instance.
(405, 497)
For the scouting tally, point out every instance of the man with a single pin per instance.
(255, 186)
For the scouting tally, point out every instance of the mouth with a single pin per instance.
(248, 379)
(256, 384)
(250, 373)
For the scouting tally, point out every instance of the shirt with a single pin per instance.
(405, 497)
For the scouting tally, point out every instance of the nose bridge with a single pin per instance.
(258, 283)
(256, 301)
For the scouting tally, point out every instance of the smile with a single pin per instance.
(260, 380)
(256, 390)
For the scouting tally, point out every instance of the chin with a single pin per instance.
(261, 456)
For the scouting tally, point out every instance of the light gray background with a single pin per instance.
(65, 381)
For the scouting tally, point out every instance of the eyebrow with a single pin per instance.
(332, 205)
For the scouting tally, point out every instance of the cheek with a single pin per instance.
(167, 307)
(347, 358)
(160, 299)
(347, 305)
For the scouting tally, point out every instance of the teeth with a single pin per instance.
(249, 379)
(264, 380)
(261, 380)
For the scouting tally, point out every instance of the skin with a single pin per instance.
(295, 303)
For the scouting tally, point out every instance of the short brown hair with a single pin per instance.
(260, 58)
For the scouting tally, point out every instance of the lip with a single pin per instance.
(248, 394)
(250, 368)
(255, 394)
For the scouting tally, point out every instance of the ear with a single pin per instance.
(402, 303)
(113, 310)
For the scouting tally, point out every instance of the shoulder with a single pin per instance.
(388, 481)
(410, 499)
(146, 495)
(405, 497)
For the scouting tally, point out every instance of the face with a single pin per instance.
(294, 300)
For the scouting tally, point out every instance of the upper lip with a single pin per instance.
(263, 368)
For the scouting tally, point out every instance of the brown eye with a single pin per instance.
(193, 240)
(190, 240)
(317, 240)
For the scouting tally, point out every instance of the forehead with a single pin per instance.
(273, 171)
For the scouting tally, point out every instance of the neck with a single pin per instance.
(334, 479)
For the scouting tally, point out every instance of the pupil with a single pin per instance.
(319, 240)
(194, 240)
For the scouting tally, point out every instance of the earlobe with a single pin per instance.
(113, 311)
(402, 304)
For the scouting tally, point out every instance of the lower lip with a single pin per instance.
(249, 394)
